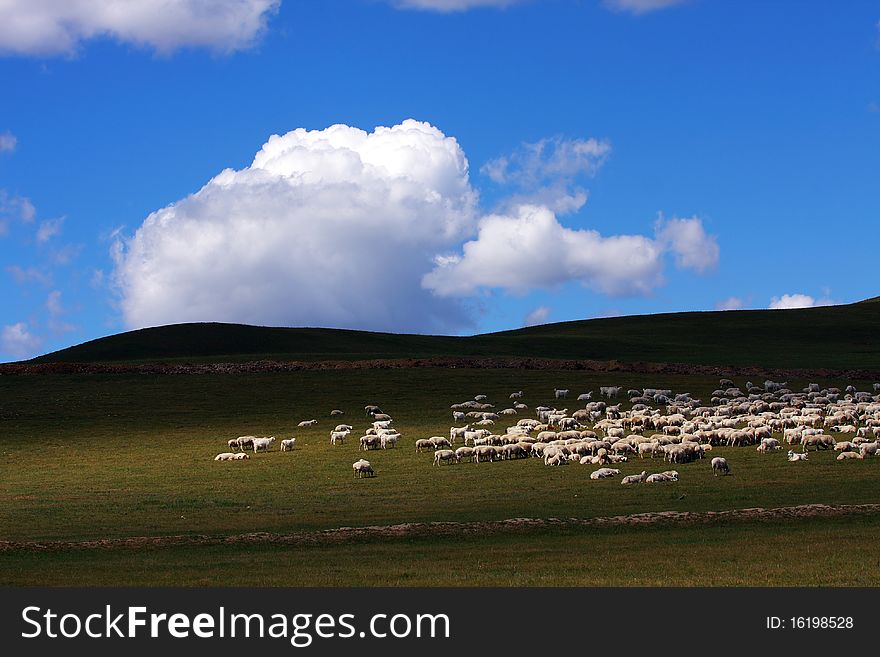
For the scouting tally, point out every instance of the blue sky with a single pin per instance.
(623, 157)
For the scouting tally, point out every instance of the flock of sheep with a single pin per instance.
(658, 424)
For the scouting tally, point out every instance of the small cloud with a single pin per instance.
(730, 303)
(687, 239)
(14, 208)
(66, 254)
(789, 301)
(538, 316)
(29, 275)
(8, 142)
(56, 309)
(446, 6)
(17, 341)
(49, 229)
(638, 7)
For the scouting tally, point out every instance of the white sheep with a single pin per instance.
(843, 456)
(241, 456)
(720, 466)
(797, 456)
(446, 455)
(561, 394)
(338, 437)
(634, 479)
(263, 443)
(362, 468)
(604, 473)
(869, 449)
(225, 456)
(307, 423)
(287, 445)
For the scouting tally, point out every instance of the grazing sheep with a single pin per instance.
(869, 449)
(458, 432)
(245, 441)
(442, 455)
(287, 445)
(343, 427)
(634, 479)
(720, 466)
(335, 412)
(464, 453)
(263, 443)
(561, 394)
(485, 452)
(234, 444)
(604, 473)
(381, 417)
(389, 440)
(307, 423)
(439, 441)
(363, 468)
(843, 456)
(370, 442)
(516, 395)
(338, 437)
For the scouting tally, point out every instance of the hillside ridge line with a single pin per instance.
(463, 362)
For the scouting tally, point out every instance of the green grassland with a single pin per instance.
(837, 337)
(104, 456)
(817, 552)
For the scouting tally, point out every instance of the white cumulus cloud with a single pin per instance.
(16, 340)
(787, 301)
(531, 249)
(687, 239)
(453, 5)
(51, 27)
(537, 316)
(641, 6)
(329, 227)
(8, 142)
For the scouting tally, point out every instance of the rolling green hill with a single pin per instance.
(845, 336)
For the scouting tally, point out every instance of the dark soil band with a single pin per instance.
(344, 535)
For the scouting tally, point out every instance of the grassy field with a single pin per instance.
(837, 337)
(818, 552)
(90, 457)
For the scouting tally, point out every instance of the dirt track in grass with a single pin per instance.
(452, 529)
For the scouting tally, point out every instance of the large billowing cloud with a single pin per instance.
(342, 228)
(51, 27)
(531, 249)
(329, 228)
